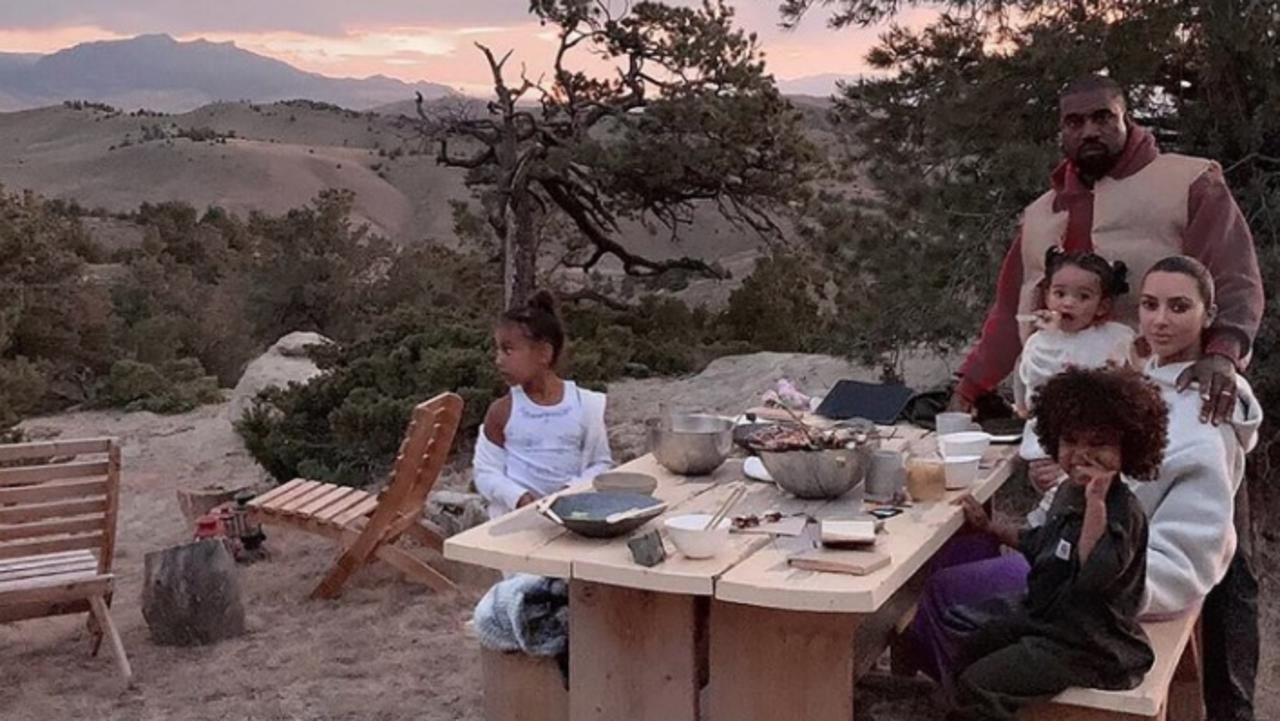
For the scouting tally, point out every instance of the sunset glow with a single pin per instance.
(445, 52)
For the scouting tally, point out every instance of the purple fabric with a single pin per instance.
(968, 569)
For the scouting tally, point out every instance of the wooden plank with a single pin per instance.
(333, 496)
(633, 654)
(339, 507)
(520, 687)
(25, 475)
(360, 509)
(18, 550)
(525, 541)
(1168, 639)
(911, 539)
(1051, 712)
(77, 567)
(10, 612)
(63, 509)
(53, 491)
(42, 591)
(275, 503)
(264, 498)
(768, 664)
(51, 528)
(290, 505)
(52, 449)
(45, 560)
(106, 555)
(612, 563)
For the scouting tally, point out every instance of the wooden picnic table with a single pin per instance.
(737, 637)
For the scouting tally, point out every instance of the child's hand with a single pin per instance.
(1047, 319)
(974, 514)
(1096, 481)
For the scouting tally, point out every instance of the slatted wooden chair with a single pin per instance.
(57, 533)
(368, 526)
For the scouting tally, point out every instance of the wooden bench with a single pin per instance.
(57, 533)
(1170, 692)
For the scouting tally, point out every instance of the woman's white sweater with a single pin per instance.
(1190, 506)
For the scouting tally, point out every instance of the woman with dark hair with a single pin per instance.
(1199, 537)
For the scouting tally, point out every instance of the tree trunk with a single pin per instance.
(521, 256)
(191, 594)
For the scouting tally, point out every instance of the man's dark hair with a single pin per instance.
(1093, 83)
(1106, 400)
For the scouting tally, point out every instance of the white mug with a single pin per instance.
(953, 422)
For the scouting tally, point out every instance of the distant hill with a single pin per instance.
(159, 73)
(821, 86)
(271, 157)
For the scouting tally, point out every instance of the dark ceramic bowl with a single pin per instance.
(587, 513)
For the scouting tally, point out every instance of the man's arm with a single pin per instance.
(993, 358)
(1218, 236)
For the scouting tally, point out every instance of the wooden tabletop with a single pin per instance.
(753, 570)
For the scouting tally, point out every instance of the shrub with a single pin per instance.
(175, 386)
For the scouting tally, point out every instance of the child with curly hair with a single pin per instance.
(1076, 622)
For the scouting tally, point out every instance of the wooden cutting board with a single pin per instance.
(854, 563)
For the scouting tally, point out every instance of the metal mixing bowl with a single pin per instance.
(691, 444)
(818, 474)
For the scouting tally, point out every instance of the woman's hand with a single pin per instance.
(1045, 474)
(525, 500)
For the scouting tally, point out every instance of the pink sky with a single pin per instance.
(423, 40)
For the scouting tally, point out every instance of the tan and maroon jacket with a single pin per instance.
(1150, 206)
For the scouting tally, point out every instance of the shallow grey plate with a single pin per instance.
(585, 513)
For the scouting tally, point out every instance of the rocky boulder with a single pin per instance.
(284, 362)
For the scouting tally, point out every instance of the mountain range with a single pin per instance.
(158, 72)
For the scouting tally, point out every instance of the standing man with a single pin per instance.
(1116, 194)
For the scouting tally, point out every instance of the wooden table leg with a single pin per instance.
(632, 654)
(769, 664)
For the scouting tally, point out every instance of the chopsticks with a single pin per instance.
(613, 518)
(735, 496)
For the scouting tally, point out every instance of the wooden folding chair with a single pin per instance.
(58, 534)
(368, 526)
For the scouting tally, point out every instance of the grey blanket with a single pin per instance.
(525, 613)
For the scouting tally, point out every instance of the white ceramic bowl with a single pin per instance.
(961, 471)
(690, 538)
(968, 443)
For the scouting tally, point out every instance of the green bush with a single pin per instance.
(777, 308)
(176, 386)
(23, 386)
(346, 424)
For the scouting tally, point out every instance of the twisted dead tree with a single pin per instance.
(685, 117)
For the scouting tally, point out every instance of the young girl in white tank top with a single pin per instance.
(546, 433)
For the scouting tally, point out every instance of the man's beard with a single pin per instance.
(1095, 164)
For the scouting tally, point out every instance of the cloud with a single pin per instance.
(408, 39)
(313, 17)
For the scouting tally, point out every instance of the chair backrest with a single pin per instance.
(422, 455)
(60, 496)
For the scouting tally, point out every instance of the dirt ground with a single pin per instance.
(387, 650)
